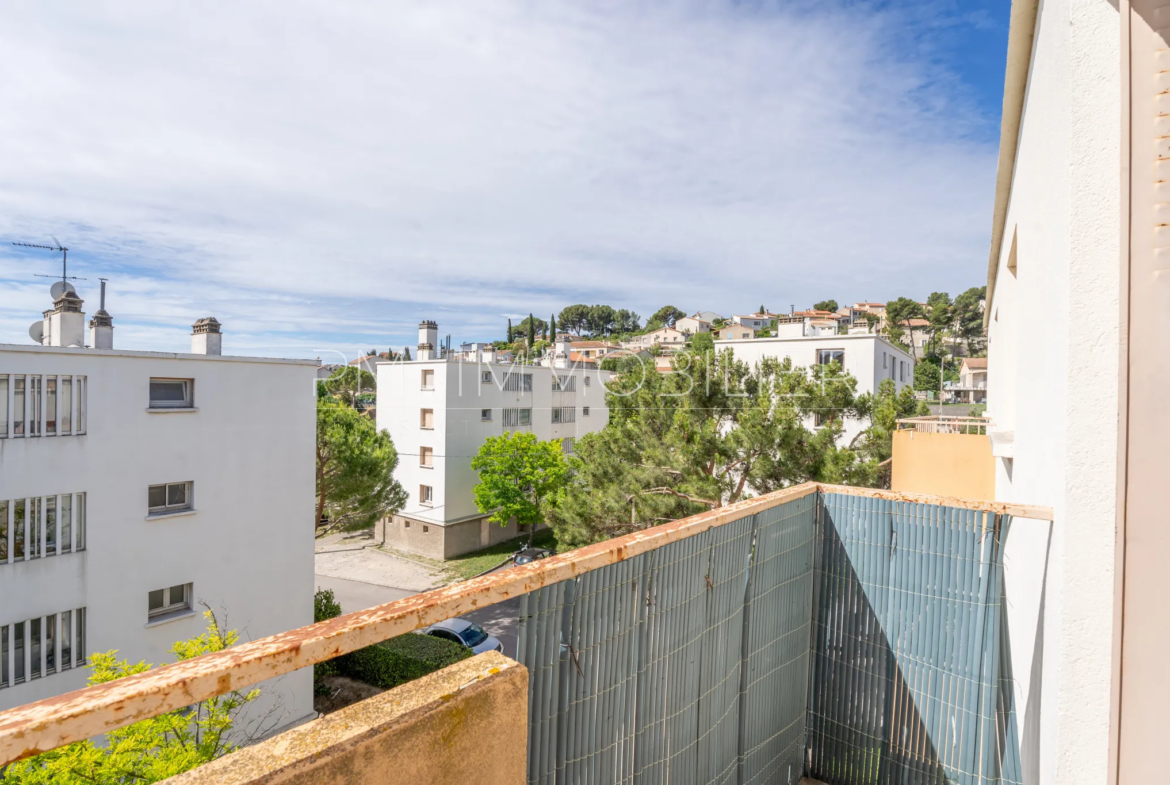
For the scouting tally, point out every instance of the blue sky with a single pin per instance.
(320, 177)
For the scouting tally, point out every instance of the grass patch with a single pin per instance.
(471, 564)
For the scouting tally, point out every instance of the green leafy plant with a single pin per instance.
(157, 748)
(517, 472)
(402, 659)
(349, 383)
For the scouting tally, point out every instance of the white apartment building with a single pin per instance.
(440, 411)
(136, 486)
(868, 358)
(1080, 234)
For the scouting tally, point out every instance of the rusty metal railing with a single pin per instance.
(44, 725)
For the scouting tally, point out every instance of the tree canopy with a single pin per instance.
(825, 305)
(899, 312)
(154, 749)
(349, 382)
(516, 473)
(355, 469)
(968, 319)
(666, 316)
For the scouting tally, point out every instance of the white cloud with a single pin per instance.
(320, 174)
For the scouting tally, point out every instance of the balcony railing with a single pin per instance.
(846, 634)
(945, 424)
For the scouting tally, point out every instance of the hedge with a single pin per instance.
(386, 664)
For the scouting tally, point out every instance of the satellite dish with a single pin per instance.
(69, 288)
(57, 289)
(36, 331)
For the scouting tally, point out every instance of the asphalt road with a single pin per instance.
(499, 620)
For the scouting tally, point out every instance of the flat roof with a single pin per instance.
(14, 347)
(777, 339)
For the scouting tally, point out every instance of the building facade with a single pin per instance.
(440, 412)
(138, 487)
(868, 358)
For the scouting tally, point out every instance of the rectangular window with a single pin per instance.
(485, 377)
(428, 380)
(567, 446)
(79, 658)
(34, 405)
(517, 417)
(485, 415)
(426, 529)
(35, 640)
(66, 523)
(82, 386)
(79, 537)
(18, 532)
(564, 414)
(426, 495)
(518, 382)
(587, 381)
(564, 384)
(50, 406)
(820, 419)
(18, 652)
(66, 406)
(426, 419)
(66, 640)
(584, 411)
(163, 602)
(50, 525)
(885, 361)
(32, 540)
(171, 393)
(3, 406)
(426, 456)
(3, 532)
(169, 497)
(50, 644)
(826, 356)
(18, 407)
(4, 655)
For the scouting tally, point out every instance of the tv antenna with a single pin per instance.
(58, 289)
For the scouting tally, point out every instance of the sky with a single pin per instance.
(322, 176)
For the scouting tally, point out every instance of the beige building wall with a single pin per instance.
(943, 464)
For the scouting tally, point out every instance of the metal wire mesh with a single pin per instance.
(875, 624)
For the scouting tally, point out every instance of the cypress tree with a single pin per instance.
(552, 328)
(509, 331)
(406, 353)
(531, 332)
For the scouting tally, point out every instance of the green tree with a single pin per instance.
(825, 305)
(927, 376)
(899, 314)
(762, 310)
(627, 321)
(698, 438)
(875, 445)
(349, 382)
(154, 749)
(602, 319)
(574, 318)
(516, 473)
(509, 331)
(531, 332)
(938, 313)
(552, 329)
(968, 319)
(355, 470)
(406, 353)
(666, 316)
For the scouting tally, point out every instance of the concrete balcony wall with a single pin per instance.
(943, 464)
(465, 723)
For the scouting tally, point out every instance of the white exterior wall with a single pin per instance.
(1061, 403)
(868, 358)
(248, 547)
(457, 399)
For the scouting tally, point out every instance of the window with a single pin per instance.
(517, 417)
(170, 497)
(902, 370)
(171, 394)
(567, 445)
(485, 377)
(587, 380)
(485, 415)
(518, 382)
(428, 379)
(821, 419)
(426, 495)
(406, 524)
(564, 384)
(564, 414)
(426, 529)
(584, 411)
(426, 419)
(24, 399)
(885, 361)
(426, 456)
(165, 602)
(826, 356)
(45, 637)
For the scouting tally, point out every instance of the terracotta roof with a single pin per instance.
(976, 363)
(576, 357)
(919, 322)
(592, 345)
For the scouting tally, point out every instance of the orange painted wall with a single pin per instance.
(943, 464)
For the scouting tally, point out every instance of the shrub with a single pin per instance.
(386, 664)
(401, 659)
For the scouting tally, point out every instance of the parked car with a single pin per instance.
(465, 633)
(529, 555)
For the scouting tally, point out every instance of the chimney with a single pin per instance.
(206, 337)
(428, 336)
(101, 326)
(64, 325)
(563, 345)
(488, 354)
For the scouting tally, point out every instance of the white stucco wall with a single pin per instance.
(457, 399)
(248, 547)
(868, 358)
(1053, 382)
